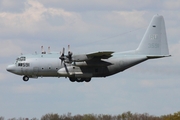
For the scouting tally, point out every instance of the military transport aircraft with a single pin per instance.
(82, 67)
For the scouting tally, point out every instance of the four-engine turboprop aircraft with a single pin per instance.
(82, 67)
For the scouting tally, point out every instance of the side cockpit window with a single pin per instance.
(17, 60)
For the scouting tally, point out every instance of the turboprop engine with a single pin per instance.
(73, 71)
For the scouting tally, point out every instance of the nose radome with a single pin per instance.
(10, 68)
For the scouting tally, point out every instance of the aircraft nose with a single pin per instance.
(10, 68)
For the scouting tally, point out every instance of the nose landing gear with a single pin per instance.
(25, 78)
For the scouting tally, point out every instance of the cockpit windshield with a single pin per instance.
(21, 59)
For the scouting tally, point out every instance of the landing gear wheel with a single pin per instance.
(87, 80)
(25, 78)
(79, 79)
(72, 79)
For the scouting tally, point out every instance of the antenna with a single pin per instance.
(49, 51)
(42, 50)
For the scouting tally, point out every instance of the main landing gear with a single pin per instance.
(72, 79)
(25, 78)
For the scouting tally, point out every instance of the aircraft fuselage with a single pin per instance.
(49, 65)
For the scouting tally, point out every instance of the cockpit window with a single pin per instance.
(20, 62)
(17, 60)
(22, 59)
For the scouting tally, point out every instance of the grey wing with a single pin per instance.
(95, 55)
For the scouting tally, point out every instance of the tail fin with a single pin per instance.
(154, 41)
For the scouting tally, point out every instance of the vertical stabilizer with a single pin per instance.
(154, 41)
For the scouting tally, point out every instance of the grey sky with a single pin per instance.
(88, 26)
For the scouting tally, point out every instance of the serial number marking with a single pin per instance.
(24, 64)
(153, 45)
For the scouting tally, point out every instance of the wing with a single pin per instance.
(100, 55)
(96, 55)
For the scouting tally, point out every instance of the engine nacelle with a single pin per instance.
(73, 71)
(80, 58)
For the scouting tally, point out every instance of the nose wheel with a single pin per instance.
(25, 78)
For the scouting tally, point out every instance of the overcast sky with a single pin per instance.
(88, 26)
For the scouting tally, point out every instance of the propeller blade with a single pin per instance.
(63, 52)
(66, 68)
(69, 54)
(61, 62)
(62, 57)
(68, 47)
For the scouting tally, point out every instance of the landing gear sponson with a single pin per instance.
(73, 79)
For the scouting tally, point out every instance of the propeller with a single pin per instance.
(66, 58)
(69, 54)
(62, 57)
